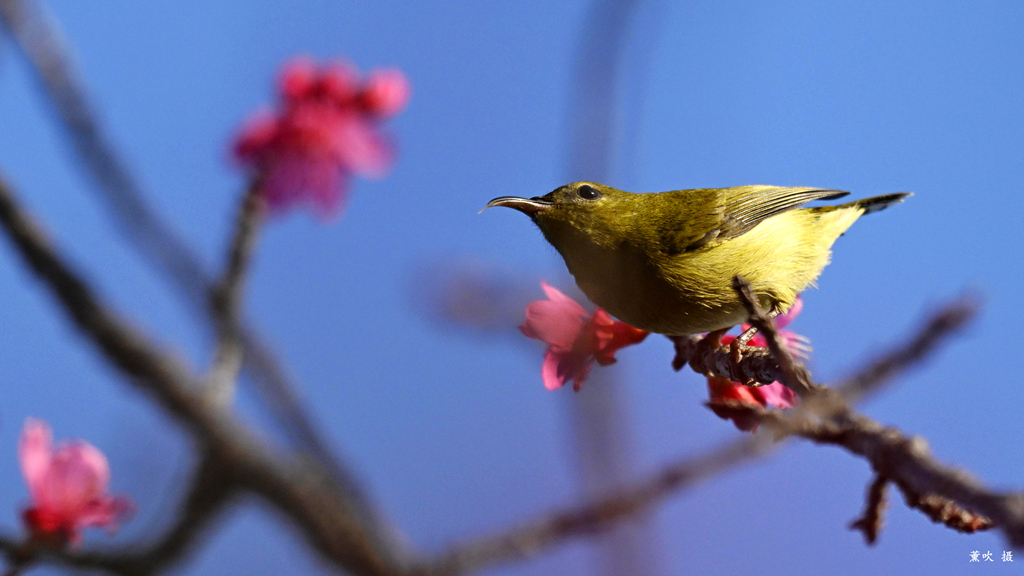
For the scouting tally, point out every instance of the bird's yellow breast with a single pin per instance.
(651, 288)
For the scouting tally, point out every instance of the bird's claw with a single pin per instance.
(736, 350)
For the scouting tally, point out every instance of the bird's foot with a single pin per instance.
(690, 350)
(737, 348)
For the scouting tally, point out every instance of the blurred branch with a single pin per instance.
(210, 490)
(532, 538)
(40, 40)
(226, 299)
(951, 318)
(469, 293)
(301, 489)
(946, 495)
(870, 524)
(43, 45)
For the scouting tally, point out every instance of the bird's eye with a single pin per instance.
(588, 192)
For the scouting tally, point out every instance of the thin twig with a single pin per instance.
(870, 524)
(947, 321)
(226, 298)
(794, 374)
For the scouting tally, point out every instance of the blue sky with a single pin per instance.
(451, 427)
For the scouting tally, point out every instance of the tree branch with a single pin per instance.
(757, 364)
(944, 493)
(226, 298)
(43, 44)
(948, 320)
(870, 524)
(793, 373)
(299, 488)
(531, 538)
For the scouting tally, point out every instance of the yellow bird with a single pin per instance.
(664, 262)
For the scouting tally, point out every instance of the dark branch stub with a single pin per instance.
(870, 524)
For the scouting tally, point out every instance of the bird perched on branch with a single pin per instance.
(665, 262)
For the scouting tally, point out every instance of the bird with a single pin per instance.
(665, 262)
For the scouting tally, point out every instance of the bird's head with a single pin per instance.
(577, 211)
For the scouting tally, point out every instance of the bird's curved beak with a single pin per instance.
(528, 206)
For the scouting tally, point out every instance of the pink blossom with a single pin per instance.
(68, 486)
(325, 130)
(733, 401)
(575, 339)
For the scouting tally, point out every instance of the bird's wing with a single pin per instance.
(741, 208)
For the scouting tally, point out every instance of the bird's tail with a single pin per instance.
(834, 220)
(877, 203)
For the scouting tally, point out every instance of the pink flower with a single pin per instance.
(324, 132)
(575, 339)
(733, 401)
(68, 486)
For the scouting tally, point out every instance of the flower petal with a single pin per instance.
(386, 92)
(556, 295)
(733, 401)
(561, 366)
(558, 321)
(325, 130)
(339, 82)
(720, 389)
(297, 78)
(68, 486)
(35, 450)
(358, 147)
(776, 394)
(105, 512)
(295, 177)
(256, 137)
(611, 335)
(78, 475)
(783, 320)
